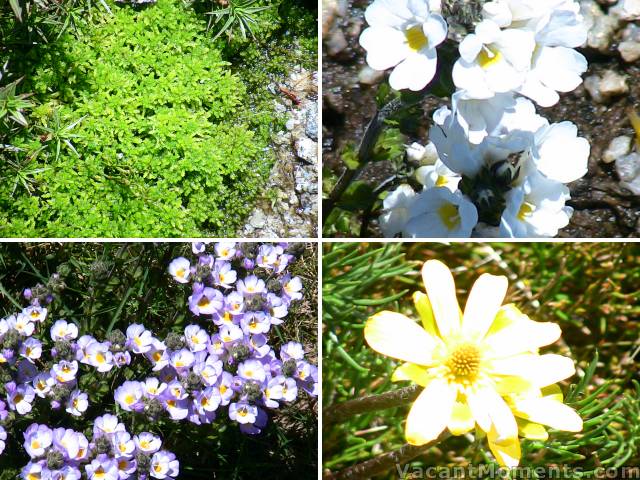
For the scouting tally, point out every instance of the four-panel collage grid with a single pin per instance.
(319, 239)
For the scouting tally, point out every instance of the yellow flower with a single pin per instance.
(480, 367)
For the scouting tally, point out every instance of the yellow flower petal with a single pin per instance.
(491, 411)
(441, 289)
(479, 409)
(515, 386)
(397, 336)
(485, 299)
(541, 370)
(520, 337)
(410, 371)
(532, 431)
(430, 413)
(507, 315)
(548, 411)
(423, 305)
(554, 392)
(507, 453)
(461, 420)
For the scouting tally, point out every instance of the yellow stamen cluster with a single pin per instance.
(464, 363)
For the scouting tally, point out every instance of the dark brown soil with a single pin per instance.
(602, 207)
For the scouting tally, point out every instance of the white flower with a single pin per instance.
(536, 208)
(498, 115)
(493, 60)
(179, 269)
(396, 210)
(424, 155)
(561, 155)
(438, 175)
(440, 213)
(403, 34)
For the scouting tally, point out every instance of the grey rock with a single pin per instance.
(311, 123)
(618, 147)
(290, 125)
(369, 76)
(628, 169)
(307, 149)
(629, 51)
(258, 219)
(336, 43)
(613, 84)
(628, 10)
(592, 85)
(601, 33)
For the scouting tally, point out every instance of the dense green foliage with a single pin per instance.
(590, 290)
(111, 285)
(145, 126)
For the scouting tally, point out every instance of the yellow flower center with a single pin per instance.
(242, 413)
(157, 356)
(180, 273)
(526, 209)
(129, 399)
(203, 302)
(488, 57)
(223, 388)
(416, 38)
(464, 362)
(18, 398)
(442, 181)
(145, 444)
(449, 215)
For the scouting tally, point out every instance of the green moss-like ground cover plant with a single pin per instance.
(143, 125)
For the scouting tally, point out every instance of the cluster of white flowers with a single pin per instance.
(493, 167)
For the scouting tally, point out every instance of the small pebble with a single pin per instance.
(592, 85)
(628, 10)
(628, 168)
(601, 33)
(612, 84)
(336, 43)
(629, 51)
(618, 147)
(369, 76)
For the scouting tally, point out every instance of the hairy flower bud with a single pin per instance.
(63, 350)
(143, 461)
(103, 445)
(289, 367)
(254, 303)
(55, 460)
(117, 340)
(174, 341)
(239, 353)
(252, 391)
(274, 285)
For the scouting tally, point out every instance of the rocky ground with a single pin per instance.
(289, 206)
(607, 200)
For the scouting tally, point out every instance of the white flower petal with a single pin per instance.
(484, 300)
(430, 413)
(549, 412)
(441, 290)
(540, 370)
(385, 47)
(520, 337)
(415, 72)
(435, 29)
(397, 336)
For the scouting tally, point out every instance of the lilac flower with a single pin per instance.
(68, 472)
(121, 359)
(267, 256)
(3, 439)
(31, 349)
(177, 409)
(147, 442)
(197, 338)
(255, 322)
(138, 338)
(293, 350)
(123, 444)
(107, 425)
(35, 313)
(129, 396)
(242, 412)
(22, 324)
(277, 308)
(152, 387)
(64, 371)
(230, 333)
(34, 470)
(126, 468)
(259, 345)
(19, 398)
(158, 355)
(164, 465)
(67, 442)
(102, 468)
(224, 275)
(252, 370)
(62, 330)
(206, 302)
(77, 403)
(235, 303)
(225, 250)
(182, 360)
(37, 439)
(293, 288)
(180, 269)
(251, 285)
(3, 411)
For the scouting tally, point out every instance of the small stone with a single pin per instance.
(613, 84)
(628, 10)
(311, 123)
(628, 168)
(369, 76)
(336, 43)
(601, 33)
(258, 219)
(629, 51)
(618, 147)
(290, 125)
(592, 85)
(307, 149)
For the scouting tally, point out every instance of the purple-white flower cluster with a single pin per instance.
(112, 454)
(242, 290)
